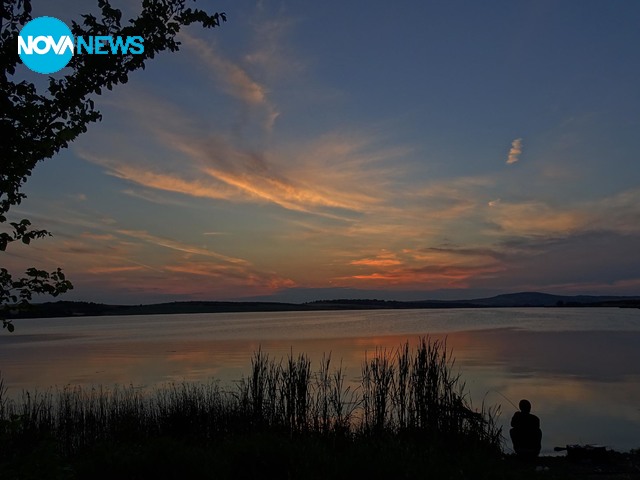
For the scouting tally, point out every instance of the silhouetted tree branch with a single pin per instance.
(35, 124)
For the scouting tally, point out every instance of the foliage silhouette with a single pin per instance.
(36, 123)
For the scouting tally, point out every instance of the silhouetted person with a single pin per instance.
(525, 432)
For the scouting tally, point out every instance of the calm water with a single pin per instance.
(579, 367)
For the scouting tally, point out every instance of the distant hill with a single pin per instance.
(523, 299)
(536, 299)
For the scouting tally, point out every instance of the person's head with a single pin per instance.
(525, 406)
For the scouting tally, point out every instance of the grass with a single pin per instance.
(408, 416)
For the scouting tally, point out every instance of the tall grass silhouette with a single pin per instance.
(412, 392)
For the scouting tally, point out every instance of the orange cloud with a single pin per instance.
(515, 151)
(376, 262)
(426, 268)
(428, 276)
(384, 259)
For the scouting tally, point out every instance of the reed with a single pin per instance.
(418, 391)
(402, 392)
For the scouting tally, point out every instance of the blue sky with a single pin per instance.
(320, 149)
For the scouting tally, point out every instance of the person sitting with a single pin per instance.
(525, 432)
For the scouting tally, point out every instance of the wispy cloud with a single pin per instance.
(233, 78)
(98, 236)
(130, 262)
(535, 218)
(272, 52)
(109, 270)
(233, 274)
(151, 196)
(172, 182)
(619, 212)
(515, 151)
(180, 246)
(334, 176)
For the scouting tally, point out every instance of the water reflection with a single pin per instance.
(584, 385)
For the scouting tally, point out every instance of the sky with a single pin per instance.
(310, 150)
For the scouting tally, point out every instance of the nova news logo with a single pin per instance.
(46, 45)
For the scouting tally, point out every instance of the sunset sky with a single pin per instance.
(308, 150)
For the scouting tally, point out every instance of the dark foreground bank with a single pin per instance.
(277, 455)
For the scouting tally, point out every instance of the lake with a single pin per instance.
(579, 367)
